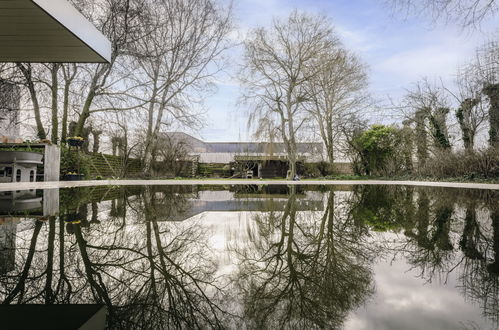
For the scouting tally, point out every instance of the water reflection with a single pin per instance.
(257, 256)
(303, 274)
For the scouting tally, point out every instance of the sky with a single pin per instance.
(398, 49)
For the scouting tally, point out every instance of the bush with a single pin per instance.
(70, 159)
(316, 170)
(482, 164)
(377, 151)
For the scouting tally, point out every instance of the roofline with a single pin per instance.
(75, 23)
(233, 142)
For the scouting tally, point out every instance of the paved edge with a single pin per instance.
(69, 184)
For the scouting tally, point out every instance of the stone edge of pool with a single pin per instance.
(70, 184)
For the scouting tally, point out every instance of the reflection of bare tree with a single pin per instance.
(480, 245)
(445, 231)
(302, 271)
(20, 281)
(149, 272)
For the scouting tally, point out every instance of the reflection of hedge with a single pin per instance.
(72, 198)
(382, 208)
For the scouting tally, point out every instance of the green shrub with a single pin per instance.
(75, 161)
(377, 150)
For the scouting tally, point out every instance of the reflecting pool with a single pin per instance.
(252, 257)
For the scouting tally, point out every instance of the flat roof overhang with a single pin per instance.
(49, 31)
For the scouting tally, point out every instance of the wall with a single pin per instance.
(51, 163)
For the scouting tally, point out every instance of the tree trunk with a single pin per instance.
(68, 79)
(80, 124)
(55, 110)
(463, 115)
(421, 138)
(492, 91)
(27, 73)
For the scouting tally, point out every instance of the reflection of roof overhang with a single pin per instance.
(197, 206)
(49, 31)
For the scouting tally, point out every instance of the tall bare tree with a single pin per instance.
(428, 105)
(471, 113)
(338, 89)
(279, 62)
(486, 66)
(121, 21)
(178, 60)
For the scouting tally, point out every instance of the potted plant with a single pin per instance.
(73, 176)
(75, 141)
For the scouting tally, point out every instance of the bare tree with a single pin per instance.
(338, 89)
(471, 113)
(178, 60)
(486, 67)
(428, 105)
(121, 21)
(279, 62)
(468, 13)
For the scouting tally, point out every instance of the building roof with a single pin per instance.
(49, 31)
(243, 147)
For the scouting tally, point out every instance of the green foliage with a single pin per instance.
(439, 128)
(382, 208)
(377, 149)
(74, 162)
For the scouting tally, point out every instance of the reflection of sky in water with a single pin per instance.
(402, 299)
(223, 234)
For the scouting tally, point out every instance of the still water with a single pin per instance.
(257, 257)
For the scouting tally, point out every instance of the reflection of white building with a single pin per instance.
(228, 201)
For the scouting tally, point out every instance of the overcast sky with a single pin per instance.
(398, 50)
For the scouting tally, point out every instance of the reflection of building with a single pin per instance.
(261, 159)
(227, 201)
(16, 205)
(21, 202)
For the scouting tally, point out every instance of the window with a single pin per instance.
(31, 176)
(8, 172)
(18, 175)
